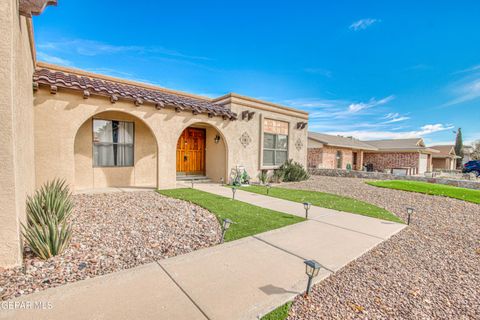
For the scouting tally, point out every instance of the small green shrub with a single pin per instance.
(48, 231)
(245, 179)
(292, 171)
(278, 175)
(263, 176)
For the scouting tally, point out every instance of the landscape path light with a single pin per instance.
(307, 206)
(268, 188)
(192, 183)
(225, 225)
(234, 189)
(312, 268)
(409, 213)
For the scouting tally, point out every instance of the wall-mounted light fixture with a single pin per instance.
(217, 139)
(247, 115)
(301, 125)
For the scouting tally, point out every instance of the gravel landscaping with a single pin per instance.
(116, 231)
(430, 270)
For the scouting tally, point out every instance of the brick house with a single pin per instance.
(446, 159)
(398, 156)
(335, 152)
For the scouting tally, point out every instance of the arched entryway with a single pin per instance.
(201, 153)
(115, 149)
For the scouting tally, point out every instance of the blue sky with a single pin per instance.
(371, 69)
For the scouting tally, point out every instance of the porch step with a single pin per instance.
(195, 178)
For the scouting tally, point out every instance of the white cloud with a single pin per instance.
(357, 107)
(314, 103)
(467, 91)
(469, 70)
(394, 117)
(93, 48)
(52, 59)
(363, 24)
(319, 71)
(373, 135)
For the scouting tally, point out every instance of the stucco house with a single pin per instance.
(398, 156)
(445, 159)
(97, 131)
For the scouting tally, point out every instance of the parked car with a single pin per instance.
(472, 166)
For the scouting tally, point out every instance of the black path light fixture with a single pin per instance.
(234, 189)
(410, 211)
(307, 206)
(268, 188)
(225, 225)
(312, 268)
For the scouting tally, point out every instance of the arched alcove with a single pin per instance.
(115, 149)
(202, 150)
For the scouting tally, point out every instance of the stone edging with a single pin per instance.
(387, 176)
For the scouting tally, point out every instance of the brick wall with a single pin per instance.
(314, 157)
(389, 160)
(439, 163)
(326, 157)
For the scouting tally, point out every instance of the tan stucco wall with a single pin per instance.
(142, 174)
(215, 156)
(16, 129)
(58, 118)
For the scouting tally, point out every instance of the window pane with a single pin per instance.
(103, 155)
(124, 132)
(280, 157)
(282, 142)
(269, 141)
(128, 132)
(268, 157)
(124, 155)
(102, 131)
(113, 143)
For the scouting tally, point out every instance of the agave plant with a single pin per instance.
(49, 239)
(48, 231)
(52, 200)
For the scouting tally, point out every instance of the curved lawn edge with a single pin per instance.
(469, 195)
(248, 219)
(280, 313)
(326, 200)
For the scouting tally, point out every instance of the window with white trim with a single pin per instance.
(113, 143)
(275, 142)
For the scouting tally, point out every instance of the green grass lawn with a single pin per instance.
(326, 200)
(249, 219)
(281, 313)
(430, 188)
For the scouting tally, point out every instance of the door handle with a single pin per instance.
(184, 158)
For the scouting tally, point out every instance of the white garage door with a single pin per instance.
(422, 165)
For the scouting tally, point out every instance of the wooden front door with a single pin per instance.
(191, 151)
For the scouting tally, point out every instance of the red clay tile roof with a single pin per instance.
(138, 94)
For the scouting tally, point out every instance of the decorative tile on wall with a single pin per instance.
(299, 144)
(245, 139)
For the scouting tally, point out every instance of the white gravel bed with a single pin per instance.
(115, 231)
(430, 270)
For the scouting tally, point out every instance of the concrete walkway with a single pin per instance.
(242, 279)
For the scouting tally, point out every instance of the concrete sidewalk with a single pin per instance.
(242, 279)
